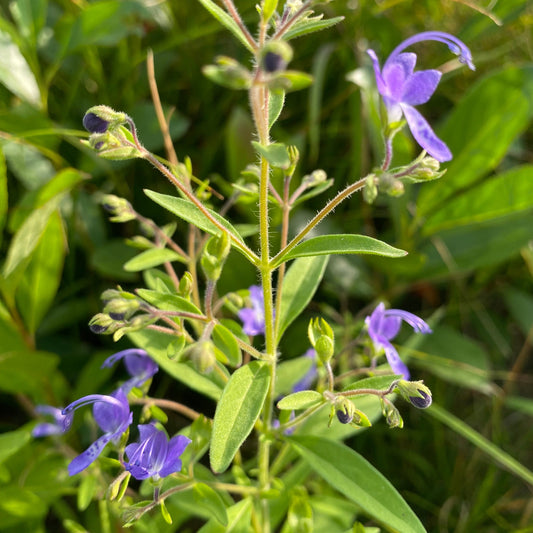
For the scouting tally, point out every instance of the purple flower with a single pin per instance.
(253, 318)
(139, 365)
(310, 376)
(59, 425)
(113, 416)
(402, 88)
(154, 455)
(384, 324)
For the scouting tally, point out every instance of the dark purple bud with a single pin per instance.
(99, 145)
(344, 417)
(94, 124)
(419, 402)
(97, 328)
(273, 62)
(117, 316)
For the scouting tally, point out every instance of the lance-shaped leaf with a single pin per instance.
(226, 21)
(275, 153)
(352, 475)
(341, 244)
(301, 400)
(299, 286)
(192, 214)
(152, 258)
(237, 411)
(168, 302)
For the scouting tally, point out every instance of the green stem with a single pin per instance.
(323, 213)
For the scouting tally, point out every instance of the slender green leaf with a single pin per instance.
(494, 452)
(275, 153)
(12, 442)
(190, 213)
(239, 519)
(269, 6)
(156, 344)
(311, 25)
(290, 372)
(168, 302)
(276, 101)
(210, 500)
(498, 196)
(301, 400)
(352, 475)
(237, 411)
(3, 194)
(15, 73)
(299, 286)
(42, 276)
(86, 492)
(226, 21)
(341, 244)
(30, 16)
(29, 234)
(375, 382)
(480, 130)
(152, 258)
(224, 341)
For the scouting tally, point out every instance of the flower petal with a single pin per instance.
(424, 135)
(89, 455)
(420, 86)
(396, 73)
(176, 447)
(396, 364)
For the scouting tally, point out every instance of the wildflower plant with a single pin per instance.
(272, 405)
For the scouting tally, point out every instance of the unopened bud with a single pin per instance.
(215, 252)
(102, 324)
(415, 392)
(391, 414)
(322, 338)
(202, 354)
(316, 177)
(370, 191)
(275, 56)
(228, 73)
(101, 118)
(121, 309)
(120, 209)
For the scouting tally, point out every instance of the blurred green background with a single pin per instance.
(462, 466)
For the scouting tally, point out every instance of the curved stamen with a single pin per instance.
(91, 398)
(455, 45)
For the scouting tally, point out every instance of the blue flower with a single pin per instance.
(154, 456)
(306, 382)
(138, 364)
(60, 424)
(113, 416)
(383, 325)
(253, 318)
(402, 88)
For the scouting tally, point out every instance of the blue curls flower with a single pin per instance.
(384, 324)
(253, 318)
(113, 416)
(154, 456)
(402, 88)
(138, 363)
(60, 424)
(310, 376)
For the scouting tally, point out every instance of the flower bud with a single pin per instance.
(101, 118)
(344, 409)
(121, 309)
(391, 414)
(120, 209)
(228, 73)
(275, 56)
(202, 354)
(316, 177)
(370, 191)
(415, 392)
(322, 338)
(186, 285)
(102, 324)
(215, 252)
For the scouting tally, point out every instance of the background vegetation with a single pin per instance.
(463, 464)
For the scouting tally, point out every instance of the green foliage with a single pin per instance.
(468, 238)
